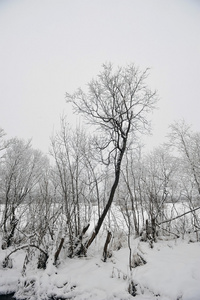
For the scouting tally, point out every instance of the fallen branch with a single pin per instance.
(22, 247)
(170, 232)
(179, 216)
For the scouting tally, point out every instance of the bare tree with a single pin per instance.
(132, 172)
(2, 142)
(187, 142)
(21, 170)
(68, 149)
(160, 171)
(117, 102)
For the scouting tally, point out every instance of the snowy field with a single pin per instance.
(172, 272)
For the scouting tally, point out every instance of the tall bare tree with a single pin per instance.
(117, 102)
(187, 143)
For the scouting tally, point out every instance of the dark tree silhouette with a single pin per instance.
(117, 102)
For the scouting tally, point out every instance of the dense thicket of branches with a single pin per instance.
(50, 207)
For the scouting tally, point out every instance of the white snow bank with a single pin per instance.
(9, 277)
(172, 272)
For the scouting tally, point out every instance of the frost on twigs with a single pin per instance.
(137, 257)
(7, 263)
(117, 273)
(149, 233)
(137, 260)
(48, 286)
(119, 240)
(132, 288)
(26, 288)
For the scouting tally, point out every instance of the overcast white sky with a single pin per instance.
(48, 47)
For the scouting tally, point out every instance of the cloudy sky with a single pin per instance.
(49, 47)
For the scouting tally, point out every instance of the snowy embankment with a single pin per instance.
(172, 272)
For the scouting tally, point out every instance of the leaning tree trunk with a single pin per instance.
(105, 249)
(112, 193)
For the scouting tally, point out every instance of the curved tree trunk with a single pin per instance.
(111, 196)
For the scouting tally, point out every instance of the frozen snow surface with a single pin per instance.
(172, 272)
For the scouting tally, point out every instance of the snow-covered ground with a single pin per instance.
(172, 272)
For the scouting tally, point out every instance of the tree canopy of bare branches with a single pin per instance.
(117, 102)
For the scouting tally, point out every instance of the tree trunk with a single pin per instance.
(111, 196)
(105, 249)
(58, 251)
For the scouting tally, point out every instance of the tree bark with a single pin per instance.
(111, 196)
(58, 251)
(105, 249)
